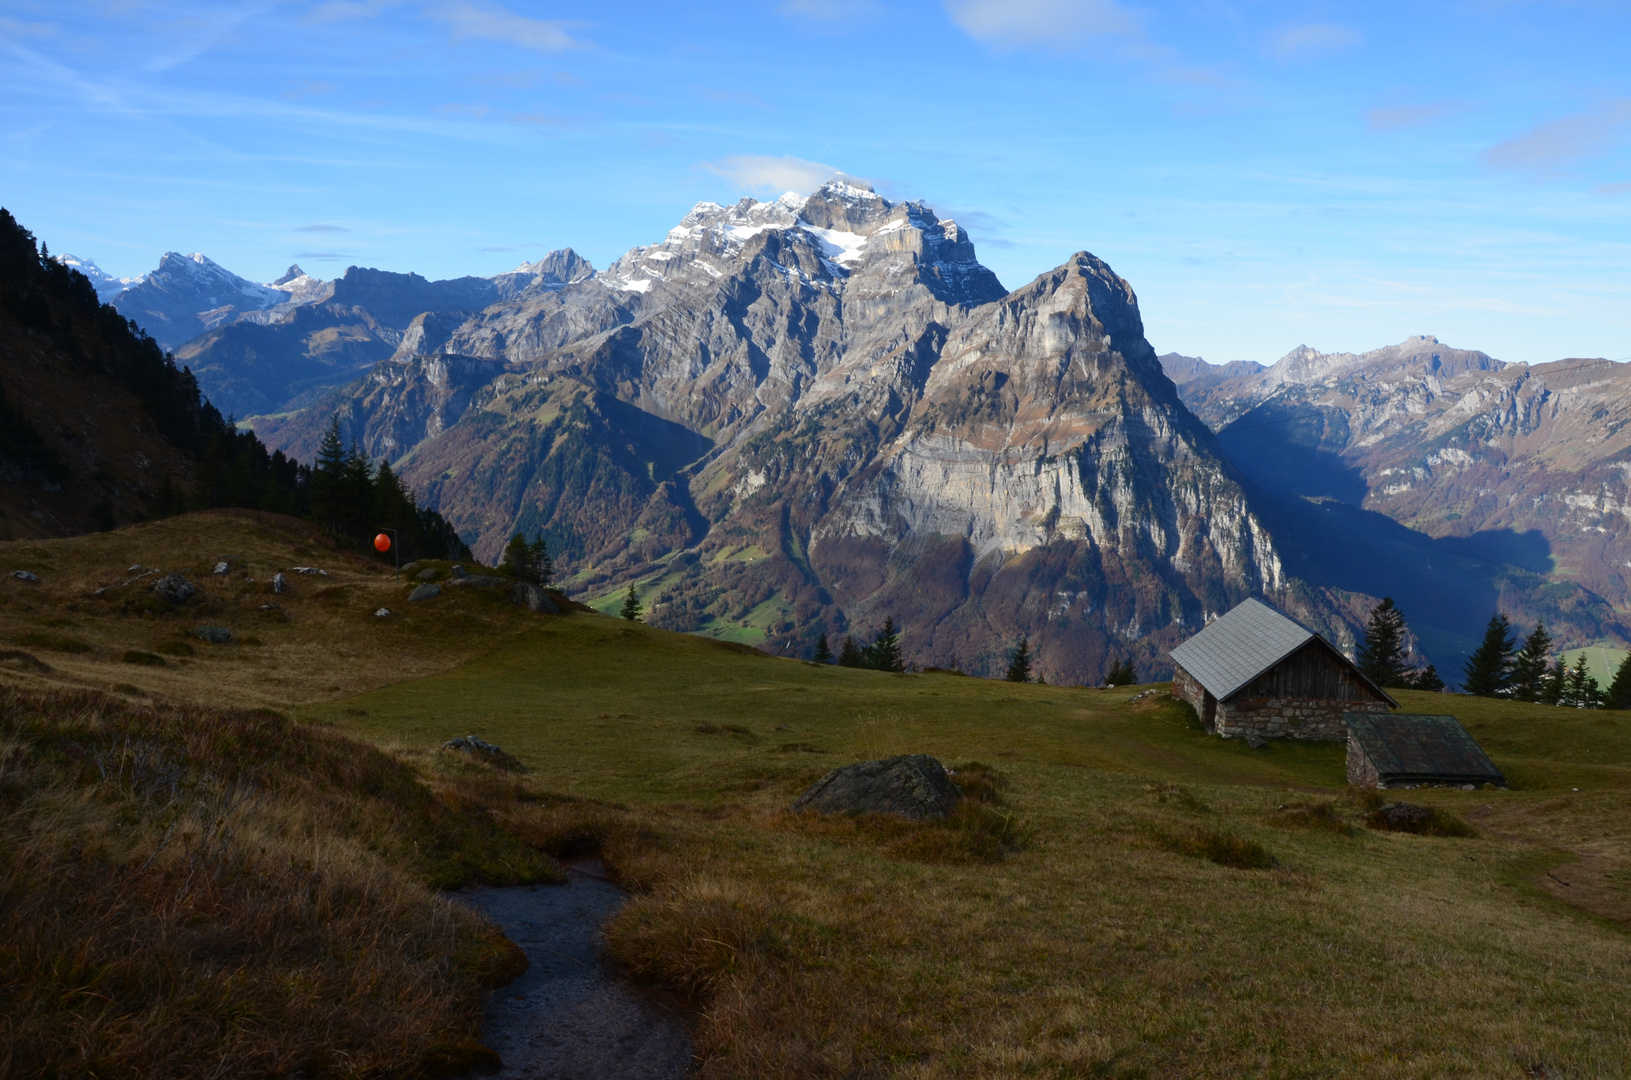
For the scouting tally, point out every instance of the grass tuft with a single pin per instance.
(1321, 816)
(54, 644)
(1224, 848)
(144, 659)
(1419, 820)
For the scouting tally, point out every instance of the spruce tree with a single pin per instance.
(1382, 659)
(325, 476)
(631, 606)
(517, 558)
(1530, 666)
(1019, 661)
(1123, 674)
(884, 653)
(1580, 690)
(1551, 692)
(1426, 679)
(543, 566)
(823, 651)
(1619, 691)
(1488, 670)
(850, 655)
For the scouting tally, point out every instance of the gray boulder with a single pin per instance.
(533, 599)
(383, 613)
(222, 567)
(215, 635)
(280, 584)
(428, 574)
(479, 581)
(457, 570)
(26, 577)
(174, 588)
(482, 750)
(913, 786)
(425, 592)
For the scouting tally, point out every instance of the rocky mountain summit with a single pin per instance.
(804, 414)
(1514, 474)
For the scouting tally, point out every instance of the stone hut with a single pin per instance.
(1255, 673)
(1403, 750)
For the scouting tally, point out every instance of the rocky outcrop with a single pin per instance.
(806, 414)
(912, 786)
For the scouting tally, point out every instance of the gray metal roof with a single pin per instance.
(1239, 646)
(1406, 747)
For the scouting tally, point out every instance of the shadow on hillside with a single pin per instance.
(1312, 502)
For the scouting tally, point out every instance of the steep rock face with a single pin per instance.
(810, 413)
(557, 269)
(189, 294)
(1522, 470)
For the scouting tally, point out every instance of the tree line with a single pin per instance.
(352, 498)
(1499, 667)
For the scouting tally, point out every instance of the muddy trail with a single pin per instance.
(571, 1016)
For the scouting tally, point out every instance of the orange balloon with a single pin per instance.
(382, 542)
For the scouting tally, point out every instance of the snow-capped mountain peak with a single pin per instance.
(106, 285)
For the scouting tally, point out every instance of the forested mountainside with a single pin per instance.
(98, 427)
(1442, 475)
(805, 415)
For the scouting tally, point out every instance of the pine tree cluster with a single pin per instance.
(882, 655)
(351, 498)
(1384, 658)
(528, 560)
(1122, 674)
(1499, 668)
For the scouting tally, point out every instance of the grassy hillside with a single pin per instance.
(1121, 895)
(1072, 926)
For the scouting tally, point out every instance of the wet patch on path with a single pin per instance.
(571, 1016)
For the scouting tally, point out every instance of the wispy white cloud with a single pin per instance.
(341, 10)
(1547, 148)
(1394, 117)
(495, 23)
(1313, 41)
(296, 89)
(1050, 25)
(321, 228)
(760, 172)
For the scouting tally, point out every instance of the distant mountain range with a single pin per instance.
(1441, 476)
(802, 415)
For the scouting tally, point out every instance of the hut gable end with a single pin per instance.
(1314, 671)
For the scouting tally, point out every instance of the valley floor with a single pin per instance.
(1060, 926)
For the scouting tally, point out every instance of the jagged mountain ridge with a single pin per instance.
(1521, 468)
(878, 428)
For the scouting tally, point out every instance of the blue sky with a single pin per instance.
(1264, 173)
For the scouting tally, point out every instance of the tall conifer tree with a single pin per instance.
(823, 651)
(1489, 668)
(850, 654)
(1619, 691)
(1383, 657)
(631, 606)
(1530, 666)
(884, 653)
(1019, 661)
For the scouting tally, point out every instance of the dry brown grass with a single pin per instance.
(189, 892)
(320, 641)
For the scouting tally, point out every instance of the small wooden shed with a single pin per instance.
(1255, 672)
(1406, 750)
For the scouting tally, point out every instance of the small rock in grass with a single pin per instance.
(138, 568)
(457, 570)
(280, 584)
(309, 570)
(222, 567)
(1256, 742)
(174, 588)
(428, 574)
(913, 786)
(482, 750)
(425, 592)
(271, 607)
(26, 577)
(215, 635)
(383, 613)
